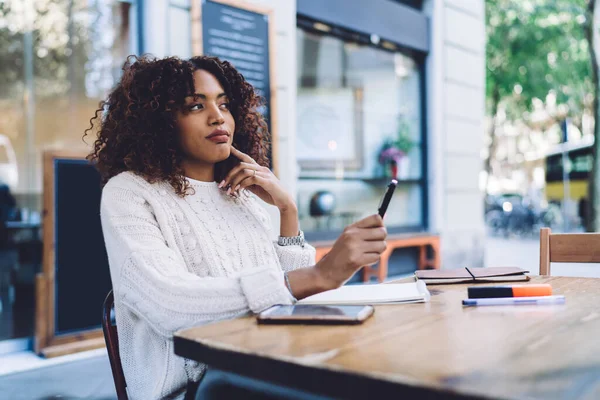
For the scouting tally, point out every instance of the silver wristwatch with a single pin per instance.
(292, 240)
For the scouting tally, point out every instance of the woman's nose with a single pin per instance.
(216, 117)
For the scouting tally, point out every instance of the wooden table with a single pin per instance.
(433, 350)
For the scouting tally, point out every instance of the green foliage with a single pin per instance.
(69, 45)
(404, 141)
(535, 47)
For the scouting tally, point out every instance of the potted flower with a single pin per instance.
(391, 156)
(394, 153)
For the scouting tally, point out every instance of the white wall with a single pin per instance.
(167, 26)
(456, 106)
(155, 27)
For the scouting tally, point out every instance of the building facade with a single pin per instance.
(352, 79)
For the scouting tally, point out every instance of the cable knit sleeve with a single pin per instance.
(290, 257)
(152, 280)
(294, 257)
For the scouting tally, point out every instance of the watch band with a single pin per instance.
(292, 240)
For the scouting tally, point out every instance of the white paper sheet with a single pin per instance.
(391, 293)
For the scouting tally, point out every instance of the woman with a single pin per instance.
(183, 151)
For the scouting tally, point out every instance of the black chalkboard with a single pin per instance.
(241, 37)
(82, 277)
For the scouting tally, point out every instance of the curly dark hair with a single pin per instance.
(137, 122)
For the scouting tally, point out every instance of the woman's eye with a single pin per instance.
(195, 107)
(225, 106)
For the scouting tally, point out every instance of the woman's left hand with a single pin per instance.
(257, 179)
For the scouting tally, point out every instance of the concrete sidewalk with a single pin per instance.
(87, 378)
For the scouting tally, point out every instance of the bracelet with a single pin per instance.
(289, 287)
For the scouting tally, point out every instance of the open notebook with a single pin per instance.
(388, 293)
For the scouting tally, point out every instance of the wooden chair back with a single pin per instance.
(567, 248)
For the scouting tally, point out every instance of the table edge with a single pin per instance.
(310, 378)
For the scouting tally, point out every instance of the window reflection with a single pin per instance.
(58, 59)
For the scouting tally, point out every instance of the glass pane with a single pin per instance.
(353, 101)
(359, 124)
(58, 59)
(332, 205)
(16, 274)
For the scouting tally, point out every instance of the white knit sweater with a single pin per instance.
(179, 262)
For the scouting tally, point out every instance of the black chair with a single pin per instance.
(112, 345)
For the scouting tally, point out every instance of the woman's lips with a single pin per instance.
(219, 138)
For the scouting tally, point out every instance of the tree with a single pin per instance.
(536, 48)
(73, 41)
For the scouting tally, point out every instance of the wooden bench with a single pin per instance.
(420, 240)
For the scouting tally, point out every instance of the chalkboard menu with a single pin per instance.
(82, 276)
(75, 277)
(241, 37)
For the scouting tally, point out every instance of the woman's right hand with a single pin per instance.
(360, 244)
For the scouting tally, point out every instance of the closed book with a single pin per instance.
(472, 275)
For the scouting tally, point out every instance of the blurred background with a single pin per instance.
(541, 80)
(484, 110)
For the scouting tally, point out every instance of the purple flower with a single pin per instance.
(390, 154)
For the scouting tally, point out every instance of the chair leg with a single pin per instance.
(422, 257)
(383, 268)
(367, 271)
(437, 262)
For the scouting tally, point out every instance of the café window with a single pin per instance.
(359, 124)
(58, 59)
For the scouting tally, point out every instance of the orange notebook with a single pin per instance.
(472, 275)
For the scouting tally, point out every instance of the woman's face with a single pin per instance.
(207, 126)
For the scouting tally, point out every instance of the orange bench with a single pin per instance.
(422, 241)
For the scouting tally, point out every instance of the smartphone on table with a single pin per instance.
(315, 314)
